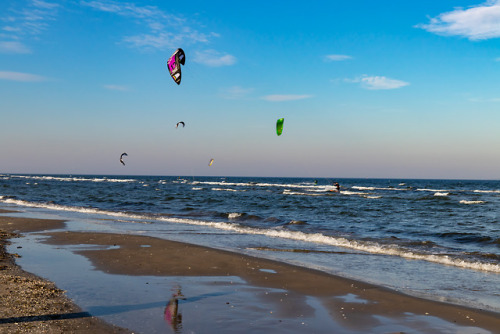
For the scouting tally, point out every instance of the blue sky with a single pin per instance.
(396, 89)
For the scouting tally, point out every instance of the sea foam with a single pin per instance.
(316, 238)
(471, 202)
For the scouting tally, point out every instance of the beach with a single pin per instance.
(31, 304)
(238, 291)
(204, 167)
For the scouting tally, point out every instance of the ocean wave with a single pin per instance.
(348, 192)
(471, 202)
(296, 222)
(441, 194)
(177, 181)
(370, 247)
(264, 185)
(462, 237)
(378, 188)
(241, 216)
(434, 190)
(487, 191)
(71, 179)
(299, 193)
(328, 193)
(306, 187)
(301, 250)
(234, 215)
(224, 189)
(59, 207)
(363, 188)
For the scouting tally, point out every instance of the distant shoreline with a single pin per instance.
(399, 178)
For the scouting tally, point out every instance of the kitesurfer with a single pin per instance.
(121, 158)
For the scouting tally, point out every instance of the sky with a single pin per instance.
(368, 89)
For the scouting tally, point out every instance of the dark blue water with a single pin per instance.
(447, 225)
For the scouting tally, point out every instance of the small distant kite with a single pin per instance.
(121, 158)
(174, 65)
(279, 126)
(211, 162)
(183, 125)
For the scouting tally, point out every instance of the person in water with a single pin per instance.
(337, 186)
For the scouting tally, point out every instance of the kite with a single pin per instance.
(279, 126)
(211, 162)
(121, 158)
(174, 65)
(183, 125)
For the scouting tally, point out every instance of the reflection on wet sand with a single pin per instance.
(172, 315)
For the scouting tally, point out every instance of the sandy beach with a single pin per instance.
(31, 304)
(282, 293)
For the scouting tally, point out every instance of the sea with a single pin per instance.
(434, 239)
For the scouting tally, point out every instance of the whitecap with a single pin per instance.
(487, 191)
(289, 192)
(471, 202)
(223, 189)
(234, 215)
(433, 190)
(71, 179)
(316, 238)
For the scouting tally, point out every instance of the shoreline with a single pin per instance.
(31, 304)
(353, 306)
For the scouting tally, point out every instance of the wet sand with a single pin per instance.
(352, 306)
(30, 304)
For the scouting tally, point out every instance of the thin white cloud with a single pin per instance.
(151, 16)
(162, 30)
(164, 40)
(289, 97)
(32, 19)
(378, 82)
(235, 92)
(156, 28)
(28, 21)
(19, 76)
(337, 57)
(475, 23)
(13, 47)
(116, 87)
(214, 58)
(45, 4)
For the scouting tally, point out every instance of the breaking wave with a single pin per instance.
(370, 247)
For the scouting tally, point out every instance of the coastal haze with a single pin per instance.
(387, 89)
